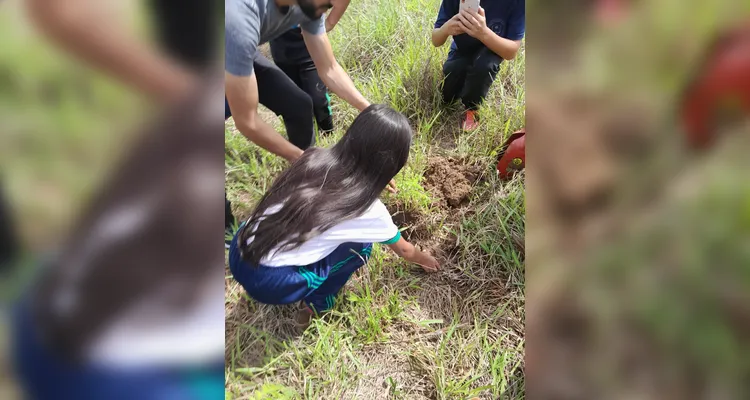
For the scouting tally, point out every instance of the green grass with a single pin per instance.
(395, 331)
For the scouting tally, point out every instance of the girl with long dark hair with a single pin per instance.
(317, 223)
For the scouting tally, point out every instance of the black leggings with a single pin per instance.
(281, 95)
(305, 76)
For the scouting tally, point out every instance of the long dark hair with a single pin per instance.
(327, 186)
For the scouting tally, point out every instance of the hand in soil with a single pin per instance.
(428, 262)
(392, 187)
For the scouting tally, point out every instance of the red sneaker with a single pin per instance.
(470, 121)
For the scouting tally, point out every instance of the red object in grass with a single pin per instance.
(611, 11)
(512, 157)
(721, 85)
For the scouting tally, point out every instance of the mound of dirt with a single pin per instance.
(450, 180)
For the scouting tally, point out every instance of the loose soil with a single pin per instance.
(450, 180)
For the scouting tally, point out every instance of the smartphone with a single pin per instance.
(469, 4)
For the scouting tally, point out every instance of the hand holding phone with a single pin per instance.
(473, 22)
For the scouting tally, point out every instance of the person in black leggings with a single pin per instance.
(291, 56)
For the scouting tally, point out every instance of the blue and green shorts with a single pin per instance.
(316, 284)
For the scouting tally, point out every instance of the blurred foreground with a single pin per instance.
(637, 245)
(112, 169)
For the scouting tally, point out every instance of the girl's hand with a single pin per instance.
(428, 262)
(392, 187)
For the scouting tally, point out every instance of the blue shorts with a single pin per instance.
(316, 284)
(42, 374)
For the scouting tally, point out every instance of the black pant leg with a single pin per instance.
(279, 93)
(292, 71)
(454, 71)
(480, 77)
(311, 83)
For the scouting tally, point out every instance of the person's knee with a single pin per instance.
(487, 65)
(454, 68)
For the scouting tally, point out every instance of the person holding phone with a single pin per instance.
(483, 36)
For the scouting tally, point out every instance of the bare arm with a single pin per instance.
(330, 71)
(450, 28)
(334, 16)
(410, 253)
(507, 49)
(439, 36)
(87, 29)
(242, 95)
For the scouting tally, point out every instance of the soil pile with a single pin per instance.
(450, 180)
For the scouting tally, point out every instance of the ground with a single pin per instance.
(397, 332)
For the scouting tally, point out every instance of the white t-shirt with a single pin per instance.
(375, 225)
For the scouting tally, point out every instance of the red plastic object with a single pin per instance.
(722, 84)
(512, 157)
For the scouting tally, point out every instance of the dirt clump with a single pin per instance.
(450, 180)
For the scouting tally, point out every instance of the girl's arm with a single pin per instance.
(408, 252)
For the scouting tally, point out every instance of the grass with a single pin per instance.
(396, 332)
